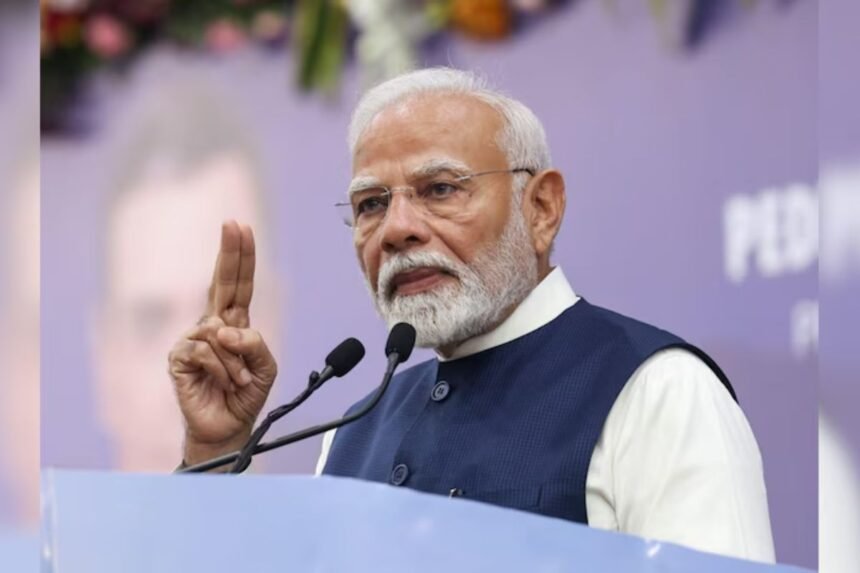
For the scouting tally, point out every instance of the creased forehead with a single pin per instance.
(457, 111)
(438, 165)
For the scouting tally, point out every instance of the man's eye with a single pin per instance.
(371, 205)
(440, 190)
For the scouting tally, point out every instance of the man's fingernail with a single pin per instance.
(245, 376)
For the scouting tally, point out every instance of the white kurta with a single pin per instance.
(676, 461)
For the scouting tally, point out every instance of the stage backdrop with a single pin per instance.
(839, 391)
(691, 205)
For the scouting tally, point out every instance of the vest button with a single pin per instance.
(399, 474)
(440, 391)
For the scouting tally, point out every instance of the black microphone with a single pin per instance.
(343, 358)
(401, 341)
(398, 348)
(338, 362)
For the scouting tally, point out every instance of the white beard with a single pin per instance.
(498, 279)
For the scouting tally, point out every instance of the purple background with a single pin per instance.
(839, 145)
(651, 141)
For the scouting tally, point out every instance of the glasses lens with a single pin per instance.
(369, 207)
(444, 197)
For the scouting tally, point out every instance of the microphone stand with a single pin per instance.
(393, 361)
(247, 451)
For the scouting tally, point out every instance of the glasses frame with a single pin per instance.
(390, 191)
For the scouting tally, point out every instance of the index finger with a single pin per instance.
(225, 279)
(245, 280)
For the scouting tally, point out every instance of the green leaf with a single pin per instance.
(321, 30)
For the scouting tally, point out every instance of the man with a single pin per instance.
(537, 400)
(185, 167)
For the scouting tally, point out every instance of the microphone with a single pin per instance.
(343, 358)
(398, 348)
(338, 362)
(400, 342)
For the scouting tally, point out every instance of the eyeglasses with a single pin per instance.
(440, 196)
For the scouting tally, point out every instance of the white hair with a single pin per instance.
(522, 138)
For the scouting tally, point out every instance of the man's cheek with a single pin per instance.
(369, 269)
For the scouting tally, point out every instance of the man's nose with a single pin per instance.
(405, 224)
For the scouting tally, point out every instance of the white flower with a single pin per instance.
(389, 33)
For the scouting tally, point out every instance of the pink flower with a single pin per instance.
(107, 36)
(224, 35)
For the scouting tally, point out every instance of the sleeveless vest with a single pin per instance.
(514, 425)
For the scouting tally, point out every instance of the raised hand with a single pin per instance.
(222, 369)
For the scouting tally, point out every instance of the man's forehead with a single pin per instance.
(428, 127)
(439, 106)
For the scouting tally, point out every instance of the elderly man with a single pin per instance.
(537, 400)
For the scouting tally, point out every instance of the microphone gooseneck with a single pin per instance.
(398, 348)
(339, 362)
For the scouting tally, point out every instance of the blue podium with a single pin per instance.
(19, 551)
(110, 523)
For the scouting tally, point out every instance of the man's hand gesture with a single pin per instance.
(222, 369)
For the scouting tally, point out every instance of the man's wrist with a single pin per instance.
(196, 452)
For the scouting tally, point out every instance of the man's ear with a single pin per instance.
(544, 201)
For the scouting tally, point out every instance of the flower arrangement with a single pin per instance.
(80, 37)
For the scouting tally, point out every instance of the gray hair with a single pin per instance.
(522, 139)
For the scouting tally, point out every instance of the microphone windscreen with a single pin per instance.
(401, 340)
(345, 356)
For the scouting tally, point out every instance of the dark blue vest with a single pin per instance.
(514, 425)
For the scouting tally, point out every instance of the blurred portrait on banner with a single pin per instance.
(183, 166)
(19, 393)
(19, 267)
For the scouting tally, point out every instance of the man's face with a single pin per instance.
(452, 277)
(162, 241)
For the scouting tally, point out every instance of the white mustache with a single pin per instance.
(409, 262)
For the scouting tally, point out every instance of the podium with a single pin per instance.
(19, 551)
(134, 523)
